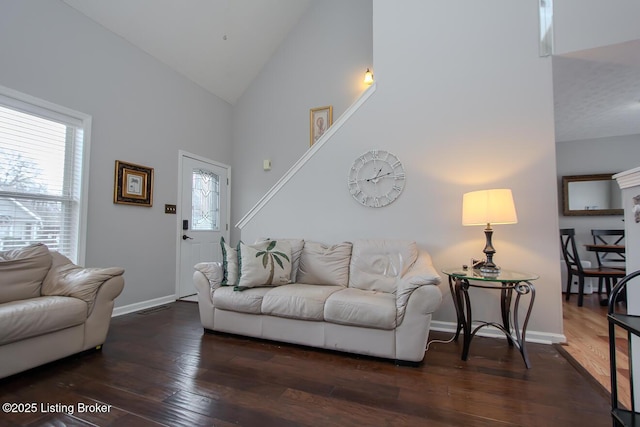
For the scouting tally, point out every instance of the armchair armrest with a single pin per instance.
(67, 279)
(98, 322)
(422, 273)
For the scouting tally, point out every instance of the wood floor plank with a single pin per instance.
(587, 332)
(161, 368)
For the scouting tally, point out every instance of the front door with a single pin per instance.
(203, 216)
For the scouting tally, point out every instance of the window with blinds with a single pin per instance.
(41, 163)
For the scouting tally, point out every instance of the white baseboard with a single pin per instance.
(131, 308)
(491, 332)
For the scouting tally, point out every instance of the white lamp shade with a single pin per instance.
(488, 207)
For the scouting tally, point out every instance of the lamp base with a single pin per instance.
(490, 271)
(489, 268)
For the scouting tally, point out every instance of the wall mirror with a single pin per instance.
(591, 195)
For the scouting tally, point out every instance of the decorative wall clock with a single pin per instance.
(376, 178)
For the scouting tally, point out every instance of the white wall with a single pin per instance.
(322, 62)
(463, 99)
(465, 102)
(142, 113)
(594, 156)
(585, 24)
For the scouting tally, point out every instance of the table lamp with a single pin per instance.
(488, 207)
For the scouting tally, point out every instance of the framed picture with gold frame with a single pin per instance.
(133, 184)
(319, 121)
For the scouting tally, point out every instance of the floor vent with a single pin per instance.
(153, 309)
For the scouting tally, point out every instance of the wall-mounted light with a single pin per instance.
(368, 77)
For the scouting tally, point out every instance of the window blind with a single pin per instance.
(41, 164)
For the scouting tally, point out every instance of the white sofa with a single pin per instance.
(372, 297)
(51, 308)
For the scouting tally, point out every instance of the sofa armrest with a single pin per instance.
(67, 279)
(208, 277)
(422, 273)
(213, 271)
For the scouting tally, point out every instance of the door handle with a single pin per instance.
(185, 237)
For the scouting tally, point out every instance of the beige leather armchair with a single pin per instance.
(51, 308)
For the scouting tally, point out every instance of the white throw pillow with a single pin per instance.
(264, 264)
(229, 264)
(325, 265)
(296, 251)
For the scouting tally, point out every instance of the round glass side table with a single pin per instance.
(506, 281)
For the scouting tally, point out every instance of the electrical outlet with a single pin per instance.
(170, 209)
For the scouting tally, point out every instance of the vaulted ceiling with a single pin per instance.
(219, 44)
(222, 45)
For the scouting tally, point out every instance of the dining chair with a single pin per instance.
(575, 268)
(609, 259)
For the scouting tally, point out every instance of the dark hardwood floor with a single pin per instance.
(159, 368)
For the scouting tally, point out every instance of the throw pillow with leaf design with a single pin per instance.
(264, 264)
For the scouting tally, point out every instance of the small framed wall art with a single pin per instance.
(320, 119)
(133, 184)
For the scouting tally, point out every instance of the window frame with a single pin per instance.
(32, 105)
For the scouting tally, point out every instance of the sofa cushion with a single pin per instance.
(22, 271)
(229, 264)
(264, 264)
(38, 316)
(247, 301)
(378, 265)
(357, 307)
(298, 301)
(324, 265)
(67, 279)
(296, 251)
